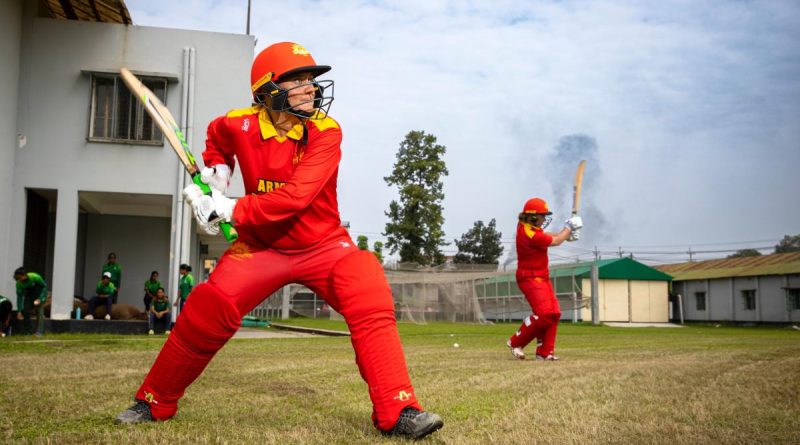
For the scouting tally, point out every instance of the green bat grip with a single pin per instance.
(227, 228)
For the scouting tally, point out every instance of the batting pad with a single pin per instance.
(365, 300)
(208, 320)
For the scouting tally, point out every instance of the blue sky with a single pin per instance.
(688, 112)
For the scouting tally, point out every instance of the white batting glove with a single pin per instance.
(574, 236)
(209, 210)
(574, 223)
(218, 177)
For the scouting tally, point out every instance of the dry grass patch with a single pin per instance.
(614, 385)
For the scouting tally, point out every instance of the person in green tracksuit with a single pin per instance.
(185, 285)
(105, 289)
(151, 287)
(159, 312)
(31, 295)
(113, 267)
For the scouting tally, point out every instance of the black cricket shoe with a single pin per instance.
(139, 412)
(415, 424)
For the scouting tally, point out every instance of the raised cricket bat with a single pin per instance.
(163, 118)
(576, 188)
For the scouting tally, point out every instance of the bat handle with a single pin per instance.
(229, 231)
(227, 228)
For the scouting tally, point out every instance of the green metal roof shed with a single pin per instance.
(613, 269)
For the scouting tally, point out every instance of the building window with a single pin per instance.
(749, 296)
(116, 116)
(793, 295)
(700, 301)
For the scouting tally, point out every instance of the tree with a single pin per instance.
(377, 249)
(744, 253)
(788, 244)
(415, 223)
(362, 242)
(480, 245)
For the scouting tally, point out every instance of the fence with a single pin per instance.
(475, 295)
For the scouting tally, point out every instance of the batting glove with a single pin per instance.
(574, 223)
(209, 210)
(574, 236)
(218, 177)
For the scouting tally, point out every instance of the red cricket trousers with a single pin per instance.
(350, 280)
(542, 324)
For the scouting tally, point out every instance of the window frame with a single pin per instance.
(746, 294)
(698, 299)
(793, 298)
(140, 114)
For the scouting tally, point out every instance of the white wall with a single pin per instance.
(53, 113)
(147, 249)
(724, 301)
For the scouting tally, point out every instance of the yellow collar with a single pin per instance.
(530, 229)
(268, 129)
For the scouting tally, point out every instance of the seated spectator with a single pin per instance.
(31, 295)
(159, 312)
(105, 293)
(151, 286)
(5, 316)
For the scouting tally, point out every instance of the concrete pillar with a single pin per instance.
(10, 40)
(65, 250)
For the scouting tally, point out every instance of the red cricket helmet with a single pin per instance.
(537, 206)
(533, 207)
(280, 61)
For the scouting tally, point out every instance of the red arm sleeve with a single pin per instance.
(320, 161)
(218, 145)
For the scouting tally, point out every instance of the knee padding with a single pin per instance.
(549, 319)
(208, 319)
(360, 285)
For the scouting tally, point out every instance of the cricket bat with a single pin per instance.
(576, 188)
(163, 118)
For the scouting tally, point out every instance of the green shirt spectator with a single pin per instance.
(105, 290)
(115, 270)
(159, 312)
(151, 287)
(185, 285)
(161, 304)
(31, 295)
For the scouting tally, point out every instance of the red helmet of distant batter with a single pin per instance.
(280, 61)
(537, 206)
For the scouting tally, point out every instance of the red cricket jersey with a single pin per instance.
(532, 244)
(290, 201)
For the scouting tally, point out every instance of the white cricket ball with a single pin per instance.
(455, 345)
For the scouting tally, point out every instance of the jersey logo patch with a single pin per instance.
(266, 185)
(246, 125)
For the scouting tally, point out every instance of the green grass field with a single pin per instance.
(698, 384)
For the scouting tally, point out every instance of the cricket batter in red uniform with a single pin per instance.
(288, 150)
(533, 278)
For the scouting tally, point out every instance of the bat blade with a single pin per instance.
(163, 118)
(576, 188)
(172, 132)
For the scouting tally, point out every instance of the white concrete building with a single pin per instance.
(83, 172)
(756, 289)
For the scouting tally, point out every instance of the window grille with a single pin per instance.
(116, 116)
